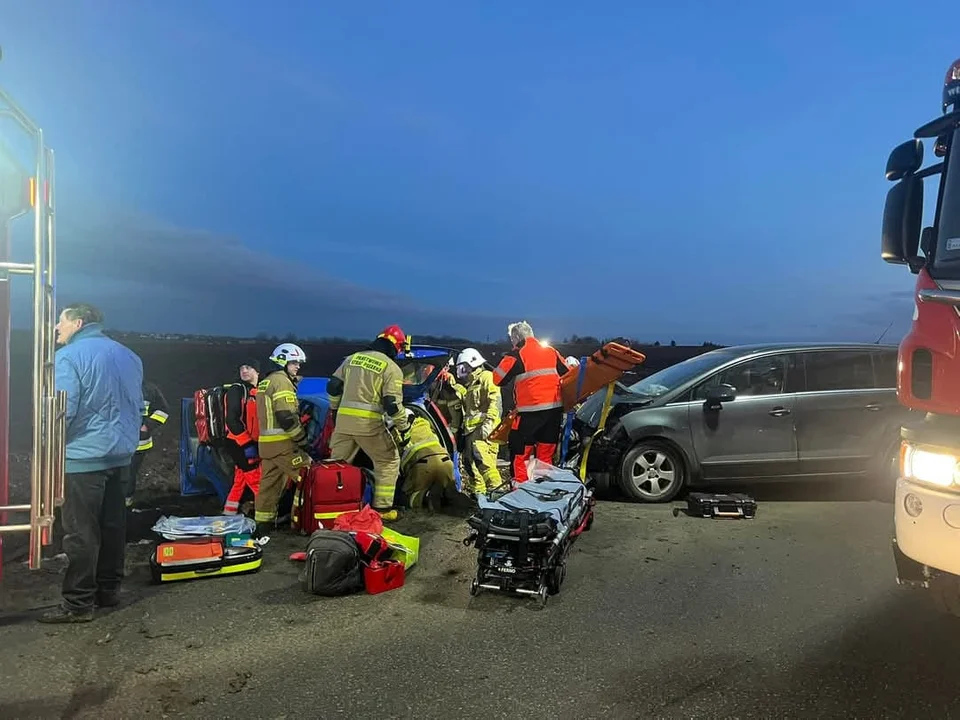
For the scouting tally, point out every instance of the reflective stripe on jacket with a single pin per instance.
(155, 413)
(368, 377)
(278, 410)
(423, 443)
(482, 404)
(535, 370)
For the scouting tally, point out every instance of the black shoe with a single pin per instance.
(108, 599)
(62, 615)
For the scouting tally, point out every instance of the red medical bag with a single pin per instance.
(327, 490)
(380, 576)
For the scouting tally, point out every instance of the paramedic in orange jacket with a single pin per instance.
(240, 415)
(535, 370)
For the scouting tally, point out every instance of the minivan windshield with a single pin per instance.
(676, 375)
(946, 260)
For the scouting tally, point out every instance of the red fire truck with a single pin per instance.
(926, 543)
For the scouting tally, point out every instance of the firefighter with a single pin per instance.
(482, 408)
(448, 396)
(367, 385)
(282, 438)
(155, 413)
(426, 465)
(240, 417)
(535, 369)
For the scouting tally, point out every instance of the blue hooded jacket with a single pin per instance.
(104, 384)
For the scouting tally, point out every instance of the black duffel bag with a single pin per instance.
(333, 564)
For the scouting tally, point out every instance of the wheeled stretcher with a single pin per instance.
(523, 534)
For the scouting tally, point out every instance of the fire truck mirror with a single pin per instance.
(905, 159)
(902, 214)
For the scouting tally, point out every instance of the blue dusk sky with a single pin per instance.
(686, 170)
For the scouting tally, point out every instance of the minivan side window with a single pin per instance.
(752, 378)
(838, 370)
(885, 369)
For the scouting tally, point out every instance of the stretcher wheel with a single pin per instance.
(474, 587)
(555, 578)
(542, 596)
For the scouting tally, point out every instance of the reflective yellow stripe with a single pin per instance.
(264, 516)
(383, 496)
(145, 444)
(285, 395)
(275, 438)
(160, 416)
(353, 412)
(410, 450)
(225, 570)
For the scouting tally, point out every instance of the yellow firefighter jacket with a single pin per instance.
(369, 377)
(278, 414)
(482, 403)
(449, 399)
(423, 443)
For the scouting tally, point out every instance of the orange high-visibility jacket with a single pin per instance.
(536, 370)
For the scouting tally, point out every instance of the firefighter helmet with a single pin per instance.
(471, 357)
(397, 338)
(468, 361)
(287, 353)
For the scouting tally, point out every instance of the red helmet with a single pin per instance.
(397, 337)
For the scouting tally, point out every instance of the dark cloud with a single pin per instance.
(151, 275)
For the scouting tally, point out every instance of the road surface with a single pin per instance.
(793, 614)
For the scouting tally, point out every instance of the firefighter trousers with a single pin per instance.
(383, 453)
(131, 474)
(274, 473)
(480, 462)
(426, 479)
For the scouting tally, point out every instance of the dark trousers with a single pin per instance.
(130, 474)
(534, 434)
(94, 523)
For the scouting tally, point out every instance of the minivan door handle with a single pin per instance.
(873, 407)
(779, 411)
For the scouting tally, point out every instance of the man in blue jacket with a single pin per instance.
(103, 380)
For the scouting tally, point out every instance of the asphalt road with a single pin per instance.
(793, 614)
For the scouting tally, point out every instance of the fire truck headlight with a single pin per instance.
(929, 466)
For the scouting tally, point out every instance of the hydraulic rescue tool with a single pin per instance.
(926, 542)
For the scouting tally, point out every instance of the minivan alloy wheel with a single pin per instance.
(652, 472)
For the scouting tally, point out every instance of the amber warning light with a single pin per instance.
(951, 86)
(32, 193)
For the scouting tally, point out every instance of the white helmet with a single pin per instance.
(471, 357)
(468, 361)
(572, 361)
(286, 353)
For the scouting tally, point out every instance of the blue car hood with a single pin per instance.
(421, 368)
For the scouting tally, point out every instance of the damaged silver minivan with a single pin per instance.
(749, 414)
